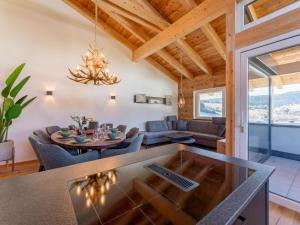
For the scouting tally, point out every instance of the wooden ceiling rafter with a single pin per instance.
(147, 12)
(184, 46)
(196, 18)
(209, 32)
(143, 36)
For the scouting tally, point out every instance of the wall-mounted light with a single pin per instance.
(112, 97)
(49, 93)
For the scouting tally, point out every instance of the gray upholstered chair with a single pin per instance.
(34, 140)
(72, 127)
(43, 136)
(52, 129)
(122, 128)
(132, 134)
(53, 156)
(134, 146)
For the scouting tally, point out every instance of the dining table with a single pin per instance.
(99, 144)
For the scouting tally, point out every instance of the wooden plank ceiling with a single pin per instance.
(134, 23)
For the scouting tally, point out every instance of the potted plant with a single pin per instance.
(10, 109)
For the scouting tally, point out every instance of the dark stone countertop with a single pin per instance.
(43, 198)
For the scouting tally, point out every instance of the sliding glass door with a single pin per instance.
(268, 117)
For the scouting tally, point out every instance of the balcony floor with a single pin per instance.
(285, 181)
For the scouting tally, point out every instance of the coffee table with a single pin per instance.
(181, 137)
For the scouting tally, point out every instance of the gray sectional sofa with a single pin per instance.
(205, 133)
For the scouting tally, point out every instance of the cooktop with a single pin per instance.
(179, 188)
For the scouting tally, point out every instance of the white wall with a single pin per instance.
(49, 37)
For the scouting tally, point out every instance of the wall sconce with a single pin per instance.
(49, 93)
(112, 97)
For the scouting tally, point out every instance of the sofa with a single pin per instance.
(205, 132)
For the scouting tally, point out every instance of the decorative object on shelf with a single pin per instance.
(155, 100)
(169, 99)
(142, 98)
(94, 65)
(181, 100)
(11, 109)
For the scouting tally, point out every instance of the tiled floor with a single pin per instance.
(285, 181)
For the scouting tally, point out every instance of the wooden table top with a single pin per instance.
(92, 144)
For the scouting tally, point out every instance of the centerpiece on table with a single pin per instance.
(82, 122)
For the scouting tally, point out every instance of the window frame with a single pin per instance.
(240, 14)
(196, 101)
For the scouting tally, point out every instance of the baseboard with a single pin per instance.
(22, 163)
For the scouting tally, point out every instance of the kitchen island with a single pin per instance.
(171, 184)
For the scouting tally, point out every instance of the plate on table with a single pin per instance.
(83, 142)
(61, 137)
(115, 139)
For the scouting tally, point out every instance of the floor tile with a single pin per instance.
(294, 193)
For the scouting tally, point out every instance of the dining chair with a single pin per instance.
(121, 128)
(132, 134)
(42, 135)
(34, 140)
(72, 127)
(53, 156)
(52, 129)
(134, 146)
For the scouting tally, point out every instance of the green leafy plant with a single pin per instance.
(11, 107)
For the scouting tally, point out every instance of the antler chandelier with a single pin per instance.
(93, 69)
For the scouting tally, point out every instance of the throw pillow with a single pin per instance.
(181, 125)
(169, 123)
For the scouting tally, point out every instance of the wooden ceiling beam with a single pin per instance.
(194, 56)
(186, 48)
(142, 36)
(142, 10)
(209, 32)
(214, 39)
(116, 9)
(101, 24)
(202, 14)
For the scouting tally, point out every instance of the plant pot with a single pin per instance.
(6, 150)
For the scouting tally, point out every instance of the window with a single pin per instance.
(209, 103)
(253, 12)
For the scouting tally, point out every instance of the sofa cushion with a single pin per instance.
(210, 137)
(212, 129)
(170, 125)
(155, 126)
(181, 125)
(149, 135)
(173, 119)
(221, 131)
(219, 120)
(198, 126)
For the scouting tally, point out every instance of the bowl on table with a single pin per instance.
(65, 133)
(112, 135)
(80, 139)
